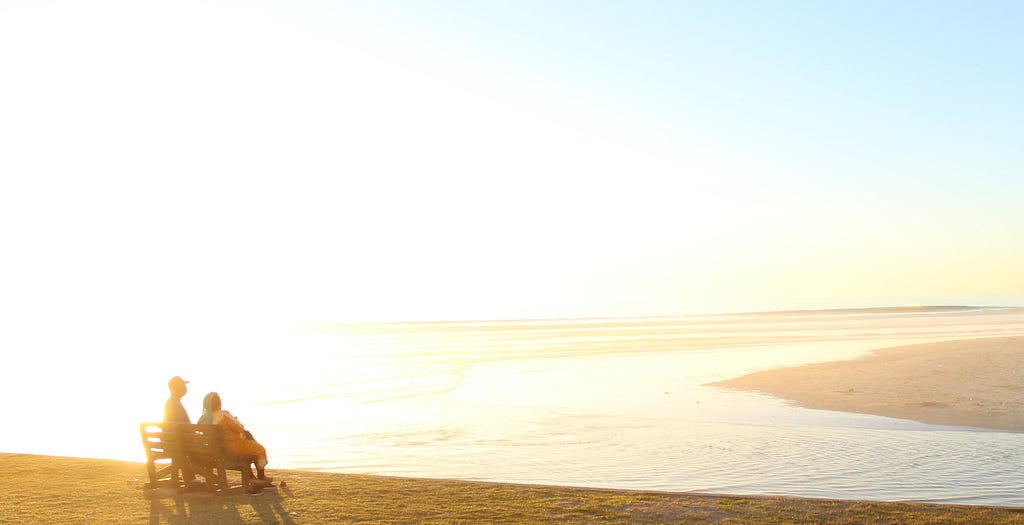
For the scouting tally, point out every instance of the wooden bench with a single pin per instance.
(192, 450)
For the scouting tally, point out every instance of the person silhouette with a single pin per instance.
(174, 411)
(237, 440)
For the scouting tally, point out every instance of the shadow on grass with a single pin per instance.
(217, 510)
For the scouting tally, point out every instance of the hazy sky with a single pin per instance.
(190, 161)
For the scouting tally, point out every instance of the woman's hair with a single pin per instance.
(212, 401)
(211, 404)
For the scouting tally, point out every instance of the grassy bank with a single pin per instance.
(71, 491)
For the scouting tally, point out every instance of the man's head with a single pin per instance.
(178, 386)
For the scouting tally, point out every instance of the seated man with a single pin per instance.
(174, 411)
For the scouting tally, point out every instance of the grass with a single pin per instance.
(72, 491)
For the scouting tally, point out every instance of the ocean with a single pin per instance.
(613, 403)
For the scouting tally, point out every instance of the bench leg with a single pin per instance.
(247, 480)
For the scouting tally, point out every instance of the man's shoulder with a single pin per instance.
(174, 412)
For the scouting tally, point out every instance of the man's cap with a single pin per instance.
(176, 380)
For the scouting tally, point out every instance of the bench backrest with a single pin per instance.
(165, 442)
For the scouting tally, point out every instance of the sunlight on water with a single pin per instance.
(614, 403)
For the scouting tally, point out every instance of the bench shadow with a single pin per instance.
(190, 509)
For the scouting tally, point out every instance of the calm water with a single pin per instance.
(603, 403)
(620, 403)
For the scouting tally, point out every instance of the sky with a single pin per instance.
(174, 164)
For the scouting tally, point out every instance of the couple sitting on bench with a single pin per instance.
(236, 440)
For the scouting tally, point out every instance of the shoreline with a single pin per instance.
(71, 491)
(968, 383)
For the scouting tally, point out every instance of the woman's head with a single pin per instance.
(211, 403)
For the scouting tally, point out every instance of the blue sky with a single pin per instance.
(345, 161)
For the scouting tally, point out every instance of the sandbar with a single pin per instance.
(972, 383)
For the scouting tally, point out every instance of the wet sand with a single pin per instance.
(975, 383)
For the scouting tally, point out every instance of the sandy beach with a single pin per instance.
(72, 491)
(975, 383)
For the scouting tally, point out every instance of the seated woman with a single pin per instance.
(237, 440)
